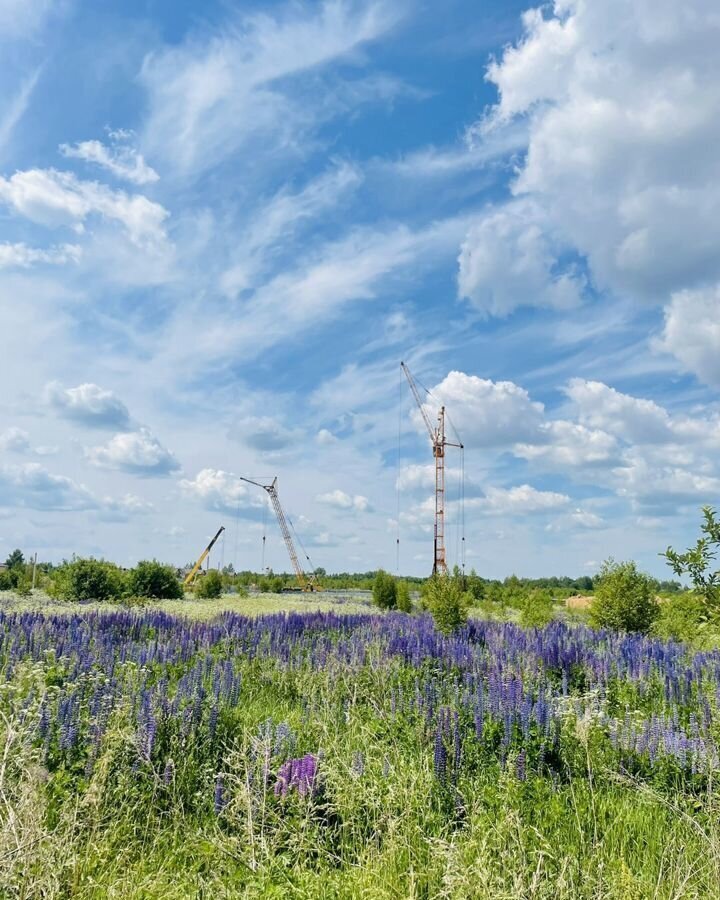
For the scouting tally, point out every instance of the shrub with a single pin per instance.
(537, 610)
(680, 619)
(447, 602)
(402, 597)
(152, 579)
(624, 598)
(384, 590)
(475, 586)
(6, 581)
(209, 587)
(87, 579)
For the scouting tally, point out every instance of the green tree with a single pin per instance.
(624, 598)
(697, 562)
(16, 560)
(209, 587)
(475, 586)
(681, 618)
(384, 590)
(447, 602)
(402, 597)
(87, 579)
(537, 610)
(154, 580)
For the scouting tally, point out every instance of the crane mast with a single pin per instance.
(439, 443)
(306, 582)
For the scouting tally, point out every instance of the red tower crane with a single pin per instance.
(439, 443)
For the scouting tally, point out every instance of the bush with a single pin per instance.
(7, 582)
(384, 590)
(210, 586)
(152, 579)
(624, 598)
(87, 579)
(680, 619)
(537, 611)
(447, 602)
(402, 597)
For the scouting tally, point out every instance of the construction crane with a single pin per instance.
(306, 582)
(190, 577)
(439, 443)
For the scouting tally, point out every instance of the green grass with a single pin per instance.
(252, 605)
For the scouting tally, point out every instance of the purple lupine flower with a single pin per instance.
(169, 772)
(440, 756)
(520, 765)
(358, 764)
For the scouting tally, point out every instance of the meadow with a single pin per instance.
(332, 751)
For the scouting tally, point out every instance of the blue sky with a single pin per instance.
(223, 226)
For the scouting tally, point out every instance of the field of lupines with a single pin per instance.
(348, 755)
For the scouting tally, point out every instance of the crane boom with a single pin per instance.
(416, 395)
(190, 577)
(439, 443)
(306, 582)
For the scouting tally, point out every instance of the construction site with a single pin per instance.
(434, 420)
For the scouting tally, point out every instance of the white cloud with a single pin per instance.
(89, 404)
(620, 134)
(126, 506)
(486, 413)
(124, 162)
(622, 100)
(34, 487)
(264, 433)
(692, 332)
(15, 109)
(15, 440)
(340, 500)
(20, 256)
(280, 218)
(53, 198)
(326, 438)
(137, 452)
(353, 268)
(662, 490)
(224, 492)
(635, 420)
(209, 99)
(520, 499)
(562, 443)
(21, 18)
(508, 260)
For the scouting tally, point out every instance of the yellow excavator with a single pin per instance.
(192, 574)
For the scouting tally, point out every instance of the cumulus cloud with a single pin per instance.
(33, 487)
(326, 438)
(340, 500)
(126, 507)
(508, 260)
(223, 492)
(662, 490)
(124, 162)
(562, 443)
(53, 198)
(20, 256)
(487, 413)
(136, 452)
(15, 440)
(692, 331)
(622, 103)
(89, 404)
(601, 406)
